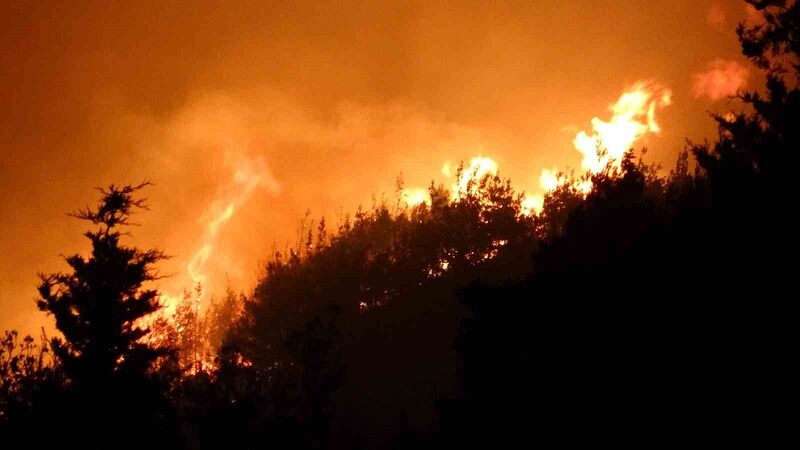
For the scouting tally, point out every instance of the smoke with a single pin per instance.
(243, 166)
(722, 78)
(716, 17)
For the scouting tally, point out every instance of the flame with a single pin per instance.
(531, 204)
(447, 169)
(249, 175)
(479, 167)
(214, 225)
(415, 196)
(549, 180)
(634, 116)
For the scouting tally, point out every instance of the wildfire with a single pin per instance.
(634, 115)
(479, 167)
(549, 180)
(415, 196)
(250, 175)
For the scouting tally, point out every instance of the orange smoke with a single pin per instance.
(720, 79)
(716, 17)
(250, 175)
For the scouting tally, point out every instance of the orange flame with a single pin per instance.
(549, 180)
(634, 116)
(479, 167)
(415, 196)
(250, 175)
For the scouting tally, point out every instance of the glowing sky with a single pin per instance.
(246, 114)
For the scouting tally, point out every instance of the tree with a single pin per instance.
(99, 307)
(754, 159)
(751, 167)
(349, 340)
(29, 378)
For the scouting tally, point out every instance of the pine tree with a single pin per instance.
(99, 304)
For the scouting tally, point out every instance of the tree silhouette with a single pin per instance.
(99, 307)
(656, 310)
(30, 381)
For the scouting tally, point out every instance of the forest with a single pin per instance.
(652, 309)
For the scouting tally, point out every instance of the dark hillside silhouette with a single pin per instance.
(361, 321)
(660, 313)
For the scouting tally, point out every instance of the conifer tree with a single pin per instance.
(98, 304)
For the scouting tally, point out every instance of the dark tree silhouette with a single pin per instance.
(354, 331)
(99, 307)
(29, 381)
(657, 308)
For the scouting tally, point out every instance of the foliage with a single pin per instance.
(97, 307)
(28, 374)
